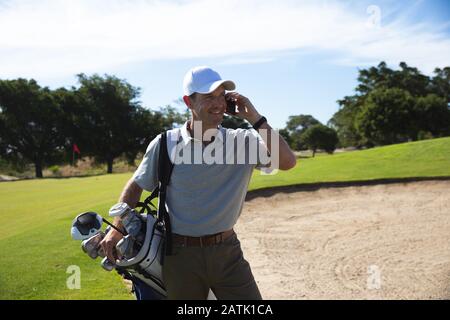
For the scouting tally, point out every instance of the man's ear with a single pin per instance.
(187, 101)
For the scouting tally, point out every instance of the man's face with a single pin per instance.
(209, 108)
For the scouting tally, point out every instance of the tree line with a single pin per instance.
(104, 117)
(389, 106)
(394, 106)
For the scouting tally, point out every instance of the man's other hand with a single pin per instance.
(109, 244)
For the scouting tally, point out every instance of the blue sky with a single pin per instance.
(289, 57)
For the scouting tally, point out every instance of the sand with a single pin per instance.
(387, 241)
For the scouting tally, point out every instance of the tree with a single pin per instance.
(110, 118)
(407, 78)
(30, 127)
(320, 137)
(440, 83)
(296, 126)
(300, 122)
(286, 135)
(432, 115)
(147, 125)
(343, 121)
(375, 80)
(171, 117)
(374, 77)
(387, 117)
(74, 120)
(412, 80)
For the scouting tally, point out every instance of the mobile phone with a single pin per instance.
(231, 106)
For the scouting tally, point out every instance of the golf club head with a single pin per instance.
(125, 247)
(85, 225)
(92, 246)
(119, 209)
(107, 265)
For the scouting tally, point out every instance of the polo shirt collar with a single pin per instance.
(186, 135)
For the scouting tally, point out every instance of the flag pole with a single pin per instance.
(74, 149)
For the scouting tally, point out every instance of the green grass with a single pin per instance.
(35, 243)
(427, 158)
(35, 215)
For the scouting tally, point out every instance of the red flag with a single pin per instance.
(75, 148)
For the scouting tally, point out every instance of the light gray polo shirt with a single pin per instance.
(202, 197)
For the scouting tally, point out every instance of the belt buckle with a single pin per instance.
(218, 238)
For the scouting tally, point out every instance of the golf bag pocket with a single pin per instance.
(146, 265)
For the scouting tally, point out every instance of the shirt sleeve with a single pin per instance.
(146, 175)
(262, 149)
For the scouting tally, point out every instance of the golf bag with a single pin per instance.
(148, 236)
(145, 268)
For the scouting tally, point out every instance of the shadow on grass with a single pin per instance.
(270, 191)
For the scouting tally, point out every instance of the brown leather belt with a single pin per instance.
(204, 241)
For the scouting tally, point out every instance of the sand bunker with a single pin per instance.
(372, 242)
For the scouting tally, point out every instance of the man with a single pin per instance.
(204, 200)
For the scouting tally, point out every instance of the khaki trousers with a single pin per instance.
(190, 272)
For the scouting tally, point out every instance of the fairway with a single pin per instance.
(35, 215)
(35, 238)
(428, 158)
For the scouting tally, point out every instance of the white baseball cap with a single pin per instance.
(203, 79)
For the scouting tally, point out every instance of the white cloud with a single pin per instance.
(247, 60)
(58, 38)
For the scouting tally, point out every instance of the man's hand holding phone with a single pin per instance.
(242, 107)
(231, 106)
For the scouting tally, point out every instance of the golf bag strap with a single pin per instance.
(145, 206)
(165, 167)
